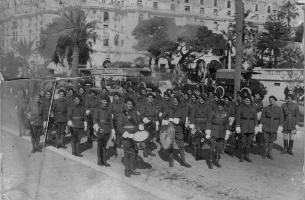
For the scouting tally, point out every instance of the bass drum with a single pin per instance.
(167, 136)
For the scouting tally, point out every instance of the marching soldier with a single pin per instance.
(35, 113)
(59, 109)
(258, 104)
(149, 116)
(291, 118)
(103, 126)
(91, 103)
(217, 132)
(246, 126)
(77, 121)
(129, 123)
(272, 123)
(82, 93)
(46, 103)
(199, 119)
(176, 114)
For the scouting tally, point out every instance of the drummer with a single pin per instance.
(176, 115)
(129, 123)
(199, 118)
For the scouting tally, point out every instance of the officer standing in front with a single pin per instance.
(77, 121)
(103, 126)
(246, 126)
(59, 109)
(91, 103)
(129, 123)
(291, 119)
(272, 124)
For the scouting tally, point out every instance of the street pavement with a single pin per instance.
(66, 177)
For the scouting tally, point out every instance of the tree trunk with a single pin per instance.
(75, 56)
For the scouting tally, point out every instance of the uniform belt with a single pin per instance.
(272, 118)
(244, 118)
(77, 117)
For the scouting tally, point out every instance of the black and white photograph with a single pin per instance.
(152, 99)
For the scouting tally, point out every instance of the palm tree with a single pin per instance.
(76, 32)
(288, 11)
(24, 48)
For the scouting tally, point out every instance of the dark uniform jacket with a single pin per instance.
(90, 104)
(128, 121)
(46, 107)
(164, 105)
(59, 109)
(246, 118)
(218, 123)
(116, 108)
(272, 118)
(34, 113)
(76, 113)
(199, 115)
(291, 116)
(149, 110)
(102, 117)
(176, 112)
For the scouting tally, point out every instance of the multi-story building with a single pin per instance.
(24, 19)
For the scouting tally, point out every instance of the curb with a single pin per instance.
(133, 182)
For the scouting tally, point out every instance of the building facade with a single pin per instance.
(24, 20)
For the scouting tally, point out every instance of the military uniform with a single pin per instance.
(272, 118)
(246, 119)
(59, 109)
(76, 114)
(91, 103)
(291, 118)
(171, 112)
(46, 108)
(21, 106)
(218, 124)
(199, 117)
(35, 114)
(129, 121)
(102, 116)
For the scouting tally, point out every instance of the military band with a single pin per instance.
(197, 116)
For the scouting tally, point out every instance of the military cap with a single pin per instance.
(92, 91)
(77, 96)
(291, 96)
(166, 94)
(227, 96)
(131, 100)
(273, 97)
(61, 91)
(116, 94)
(150, 95)
(177, 97)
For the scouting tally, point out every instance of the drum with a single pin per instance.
(140, 136)
(167, 136)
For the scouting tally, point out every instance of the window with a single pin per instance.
(139, 2)
(186, 1)
(268, 9)
(215, 12)
(187, 8)
(215, 26)
(228, 4)
(106, 42)
(256, 7)
(106, 16)
(215, 3)
(173, 7)
(229, 13)
(155, 5)
(116, 39)
(201, 10)
(201, 2)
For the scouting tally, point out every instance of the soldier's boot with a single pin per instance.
(265, 150)
(57, 141)
(290, 147)
(183, 162)
(73, 146)
(217, 159)
(247, 155)
(285, 150)
(270, 146)
(171, 158)
(33, 145)
(61, 142)
(196, 153)
(37, 147)
(104, 159)
(77, 149)
(127, 165)
(210, 160)
(132, 170)
(115, 150)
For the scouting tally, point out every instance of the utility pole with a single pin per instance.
(239, 9)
